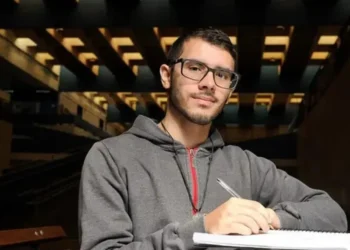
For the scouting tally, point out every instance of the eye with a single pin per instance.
(223, 74)
(194, 66)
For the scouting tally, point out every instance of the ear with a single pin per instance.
(165, 76)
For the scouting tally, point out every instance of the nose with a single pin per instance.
(207, 82)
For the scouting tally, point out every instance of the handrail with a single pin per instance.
(51, 119)
(30, 235)
(55, 191)
(38, 163)
(52, 186)
(15, 59)
(34, 185)
(42, 167)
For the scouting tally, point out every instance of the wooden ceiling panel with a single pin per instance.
(250, 45)
(279, 30)
(52, 40)
(148, 43)
(128, 49)
(120, 32)
(169, 31)
(303, 39)
(329, 30)
(100, 41)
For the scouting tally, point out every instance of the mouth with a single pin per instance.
(204, 101)
(205, 98)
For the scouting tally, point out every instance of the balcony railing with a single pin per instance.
(14, 55)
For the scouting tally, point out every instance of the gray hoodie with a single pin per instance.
(133, 196)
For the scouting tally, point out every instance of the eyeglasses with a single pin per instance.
(196, 70)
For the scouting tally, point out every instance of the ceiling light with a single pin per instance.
(121, 41)
(233, 40)
(72, 41)
(23, 42)
(273, 55)
(234, 99)
(327, 40)
(319, 55)
(131, 56)
(276, 40)
(264, 99)
(167, 41)
(43, 56)
(296, 98)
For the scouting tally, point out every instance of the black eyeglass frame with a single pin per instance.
(209, 69)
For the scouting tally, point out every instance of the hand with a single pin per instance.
(274, 219)
(239, 216)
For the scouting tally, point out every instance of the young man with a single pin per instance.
(155, 185)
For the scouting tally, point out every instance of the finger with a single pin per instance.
(239, 228)
(271, 215)
(248, 222)
(261, 209)
(255, 206)
(257, 217)
(274, 220)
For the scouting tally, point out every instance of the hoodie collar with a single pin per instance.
(147, 128)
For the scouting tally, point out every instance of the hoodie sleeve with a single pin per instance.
(104, 222)
(297, 205)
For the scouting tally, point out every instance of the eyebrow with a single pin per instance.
(216, 67)
(223, 68)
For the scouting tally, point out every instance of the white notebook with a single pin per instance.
(278, 239)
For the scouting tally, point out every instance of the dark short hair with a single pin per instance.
(213, 36)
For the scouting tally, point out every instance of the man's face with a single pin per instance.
(200, 102)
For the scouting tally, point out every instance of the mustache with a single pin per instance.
(205, 95)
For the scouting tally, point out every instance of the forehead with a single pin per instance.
(212, 55)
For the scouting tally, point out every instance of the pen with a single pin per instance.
(232, 192)
(227, 188)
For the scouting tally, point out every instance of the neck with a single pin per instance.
(180, 129)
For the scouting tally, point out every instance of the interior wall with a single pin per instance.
(323, 142)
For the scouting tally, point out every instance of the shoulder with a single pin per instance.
(109, 153)
(236, 152)
(122, 148)
(247, 157)
(111, 146)
(119, 143)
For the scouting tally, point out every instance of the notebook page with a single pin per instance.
(275, 239)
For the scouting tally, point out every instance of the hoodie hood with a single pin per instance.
(147, 128)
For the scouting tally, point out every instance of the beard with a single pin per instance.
(197, 118)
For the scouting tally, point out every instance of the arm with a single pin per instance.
(297, 205)
(104, 222)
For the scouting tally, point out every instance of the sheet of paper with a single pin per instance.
(278, 240)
